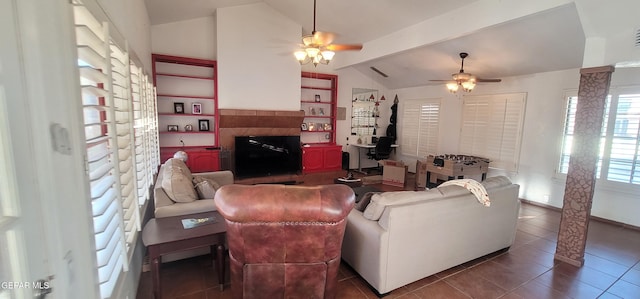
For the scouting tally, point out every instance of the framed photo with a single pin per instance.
(203, 124)
(317, 98)
(197, 108)
(304, 127)
(172, 128)
(178, 108)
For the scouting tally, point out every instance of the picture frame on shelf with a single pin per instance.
(304, 127)
(172, 128)
(196, 108)
(178, 108)
(203, 125)
(317, 98)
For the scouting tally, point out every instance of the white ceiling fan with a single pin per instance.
(317, 47)
(466, 80)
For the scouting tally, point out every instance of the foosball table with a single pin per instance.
(455, 167)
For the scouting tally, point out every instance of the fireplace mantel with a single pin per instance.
(237, 122)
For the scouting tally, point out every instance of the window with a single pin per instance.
(569, 126)
(492, 128)
(120, 129)
(420, 138)
(620, 143)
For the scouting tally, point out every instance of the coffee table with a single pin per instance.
(167, 235)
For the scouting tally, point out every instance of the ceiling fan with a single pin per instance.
(317, 47)
(466, 80)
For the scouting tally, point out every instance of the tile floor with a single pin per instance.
(527, 270)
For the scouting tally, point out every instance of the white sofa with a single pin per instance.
(420, 233)
(183, 187)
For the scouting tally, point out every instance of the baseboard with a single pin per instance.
(596, 218)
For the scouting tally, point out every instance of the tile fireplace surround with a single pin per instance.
(237, 122)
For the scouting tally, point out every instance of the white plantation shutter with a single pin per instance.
(124, 114)
(102, 150)
(420, 138)
(119, 110)
(492, 128)
(145, 137)
(624, 158)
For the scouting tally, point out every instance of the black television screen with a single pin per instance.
(267, 155)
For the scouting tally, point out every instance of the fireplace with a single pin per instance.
(236, 122)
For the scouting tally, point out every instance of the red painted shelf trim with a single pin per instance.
(194, 147)
(187, 97)
(185, 76)
(183, 132)
(315, 87)
(314, 102)
(186, 114)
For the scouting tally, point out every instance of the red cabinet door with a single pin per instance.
(203, 161)
(312, 159)
(333, 158)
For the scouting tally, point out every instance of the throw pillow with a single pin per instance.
(364, 201)
(206, 188)
(178, 186)
(380, 201)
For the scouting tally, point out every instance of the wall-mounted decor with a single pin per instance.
(178, 108)
(196, 108)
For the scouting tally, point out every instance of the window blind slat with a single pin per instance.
(491, 128)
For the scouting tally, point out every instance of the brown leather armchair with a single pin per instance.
(284, 241)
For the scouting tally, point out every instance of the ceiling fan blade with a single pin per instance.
(323, 38)
(443, 81)
(488, 80)
(354, 47)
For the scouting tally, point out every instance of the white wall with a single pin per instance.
(541, 140)
(348, 79)
(194, 38)
(132, 21)
(256, 69)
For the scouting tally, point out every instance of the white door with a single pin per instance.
(24, 267)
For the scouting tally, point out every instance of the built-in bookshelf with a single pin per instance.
(187, 98)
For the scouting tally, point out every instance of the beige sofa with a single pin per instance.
(404, 236)
(180, 181)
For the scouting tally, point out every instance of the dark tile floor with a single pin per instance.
(527, 270)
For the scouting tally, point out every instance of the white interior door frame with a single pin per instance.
(50, 218)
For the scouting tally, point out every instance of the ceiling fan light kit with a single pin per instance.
(465, 80)
(317, 47)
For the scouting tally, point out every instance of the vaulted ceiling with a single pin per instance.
(549, 40)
